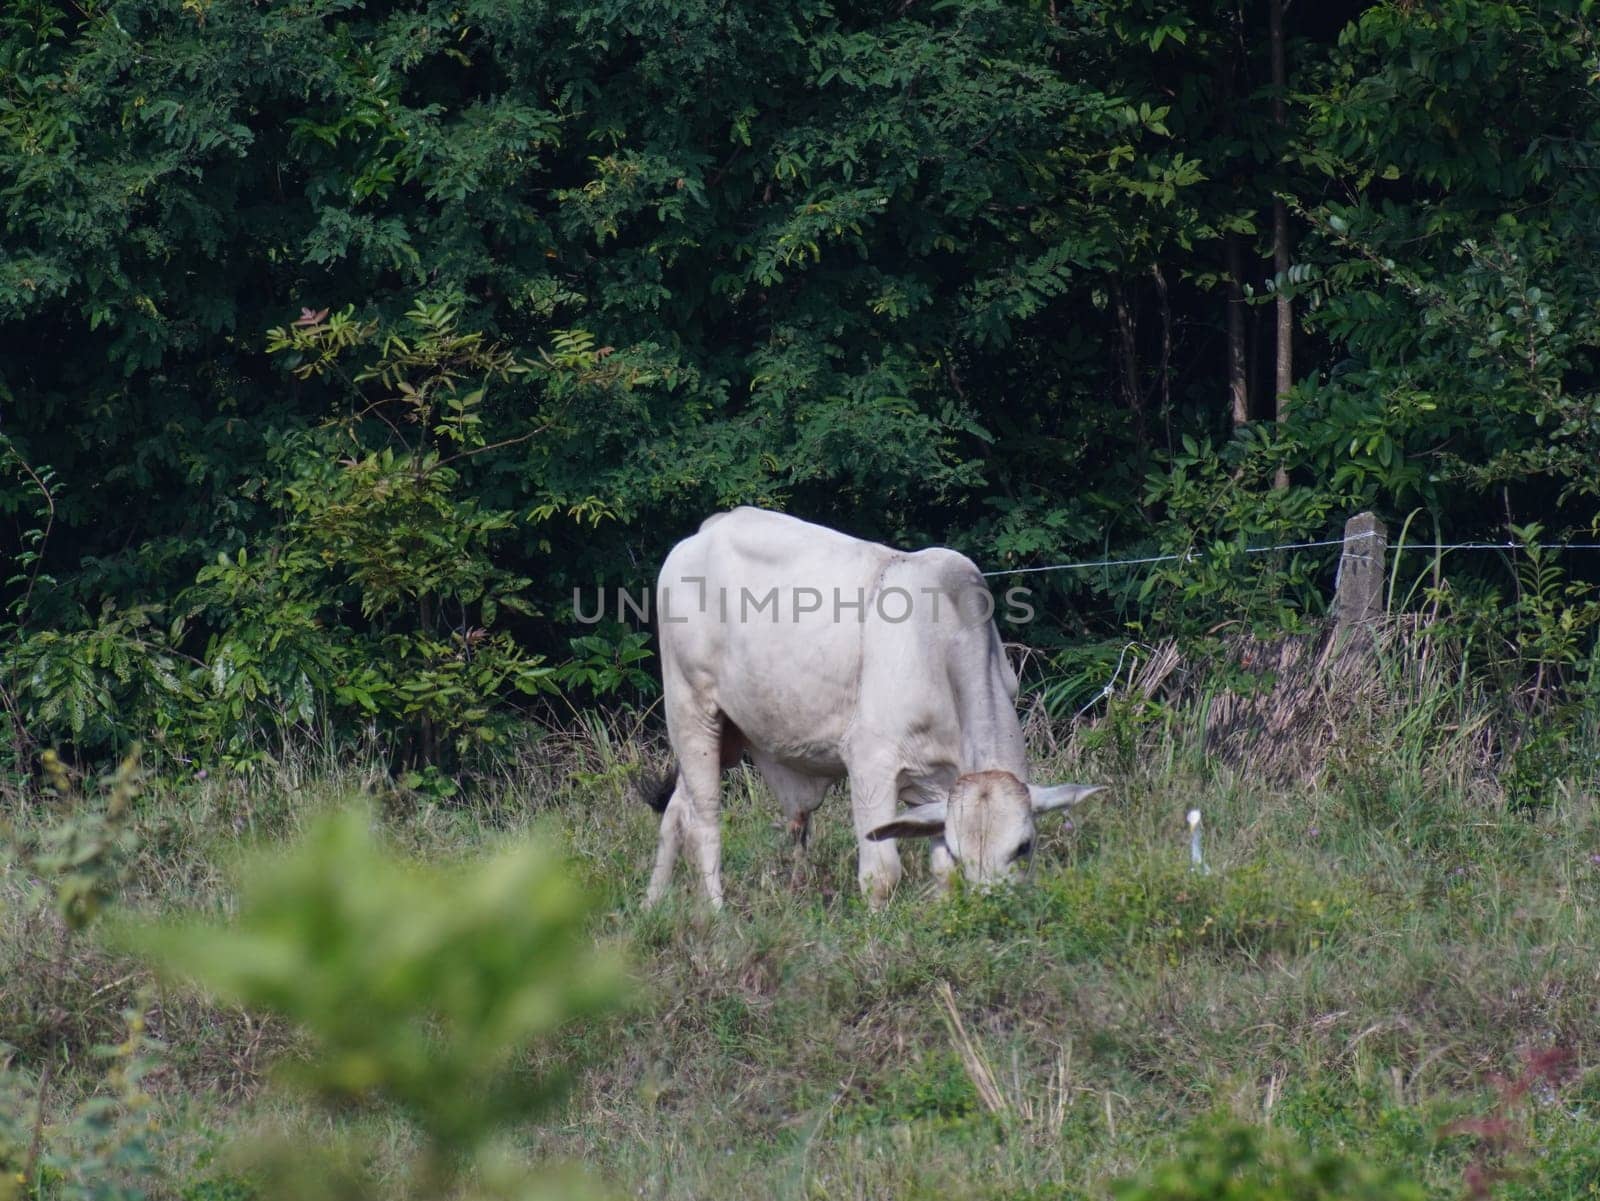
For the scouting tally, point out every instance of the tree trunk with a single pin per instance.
(1165, 380)
(1283, 378)
(1238, 383)
(1233, 253)
(1129, 356)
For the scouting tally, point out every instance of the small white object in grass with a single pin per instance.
(1195, 860)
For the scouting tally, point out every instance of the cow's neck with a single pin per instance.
(992, 741)
(991, 735)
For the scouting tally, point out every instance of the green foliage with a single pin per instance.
(609, 662)
(100, 1149)
(1163, 909)
(573, 276)
(1536, 646)
(375, 518)
(934, 1090)
(1548, 757)
(1221, 508)
(1082, 676)
(419, 985)
(1553, 615)
(1124, 727)
(1241, 1163)
(219, 1188)
(793, 256)
(80, 684)
(1463, 293)
(81, 858)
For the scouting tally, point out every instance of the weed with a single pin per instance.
(1134, 904)
(1237, 1163)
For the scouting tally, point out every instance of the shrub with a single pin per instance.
(1241, 1163)
(99, 1149)
(419, 986)
(935, 1088)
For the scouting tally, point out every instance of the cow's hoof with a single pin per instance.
(878, 895)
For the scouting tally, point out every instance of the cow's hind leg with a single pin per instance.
(693, 814)
(668, 841)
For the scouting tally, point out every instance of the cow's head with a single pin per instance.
(987, 822)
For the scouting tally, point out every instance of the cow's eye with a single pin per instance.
(1024, 850)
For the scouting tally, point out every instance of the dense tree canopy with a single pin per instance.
(339, 340)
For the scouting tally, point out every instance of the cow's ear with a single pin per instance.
(1060, 796)
(924, 821)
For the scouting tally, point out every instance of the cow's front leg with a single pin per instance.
(690, 820)
(873, 796)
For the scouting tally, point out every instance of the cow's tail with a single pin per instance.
(655, 788)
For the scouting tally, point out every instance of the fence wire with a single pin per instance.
(1191, 556)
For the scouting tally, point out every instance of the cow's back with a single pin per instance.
(759, 621)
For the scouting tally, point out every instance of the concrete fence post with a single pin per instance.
(1358, 588)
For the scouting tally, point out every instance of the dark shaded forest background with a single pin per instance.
(339, 342)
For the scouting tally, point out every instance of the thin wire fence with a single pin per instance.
(1192, 556)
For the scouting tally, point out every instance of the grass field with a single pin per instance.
(1371, 946)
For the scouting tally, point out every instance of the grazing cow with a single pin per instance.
(829, 658)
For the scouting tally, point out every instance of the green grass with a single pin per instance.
(1368, 949)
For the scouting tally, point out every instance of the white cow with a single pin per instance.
(828, 658)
